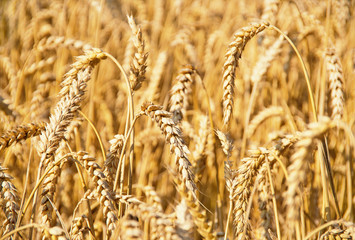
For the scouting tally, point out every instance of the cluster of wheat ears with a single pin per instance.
(177, 119)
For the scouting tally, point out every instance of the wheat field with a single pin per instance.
(177, 119)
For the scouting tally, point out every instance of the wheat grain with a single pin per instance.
(130, 228)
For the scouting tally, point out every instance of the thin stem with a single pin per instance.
(247, 118)
(38, 183)
(130, 113)
(96, 133)
(31, 225)
(274, 202)
(219, 198)
(229, 215)
(123, 150)
(320, 228)
(81, 176)
(310, 93)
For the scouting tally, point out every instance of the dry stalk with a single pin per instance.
(234, 53)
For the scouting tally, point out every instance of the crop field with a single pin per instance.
(177, 119)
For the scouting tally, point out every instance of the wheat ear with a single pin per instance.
(10, 205)
(180, 92)
(199, 215)
(112, 157)
(138, 64)
(335, 71)
(89, 60)
(105, 195)
(38, 66)
(244, 181)
(53, 42)
(234, 53)
(130, 228)
(78, 76)
(264, 62)
(20, 133)
(184, 221)
(173, 137)
(262, 116)
(298, 166)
